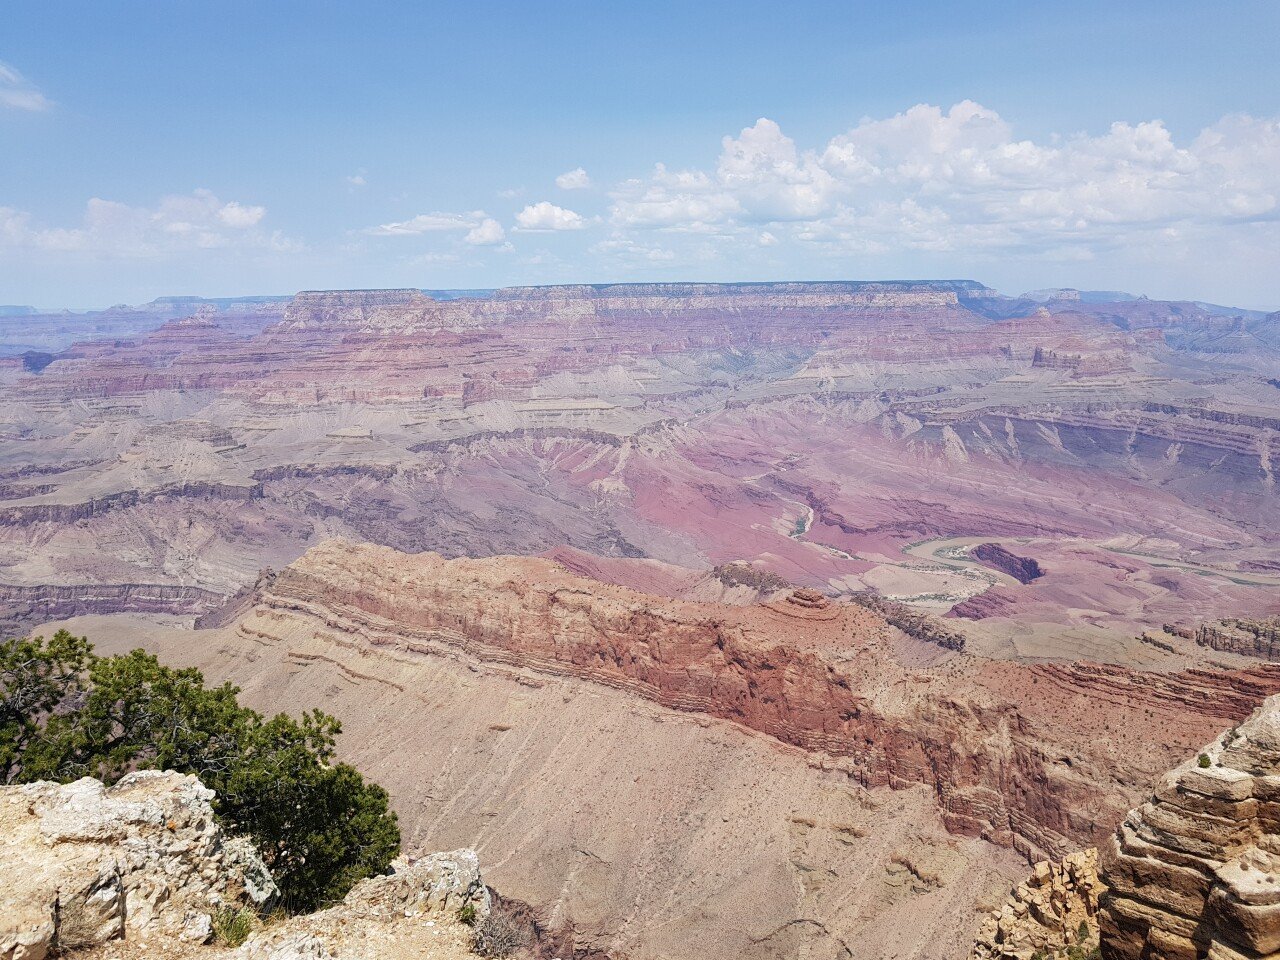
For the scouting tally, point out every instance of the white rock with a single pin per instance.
(142, 856)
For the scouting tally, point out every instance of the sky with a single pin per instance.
(236, 147)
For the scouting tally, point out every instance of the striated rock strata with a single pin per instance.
(1019, 755)
(1195, 871)
(24, 605)
(1250, 638)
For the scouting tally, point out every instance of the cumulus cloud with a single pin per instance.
(576, 179)
(687, 200)
(17, 93)
(357, 179)
(488, 232)
(547, 216)
(959, 179)
(235, 214)
(195, 221)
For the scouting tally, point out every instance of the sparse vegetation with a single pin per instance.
(1204, 761)
(467, 914)
(232, 927)
(66, 713)
(498, 935)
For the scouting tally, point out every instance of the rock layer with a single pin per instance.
(1195, 871)
(1022, 569)
(822, 676)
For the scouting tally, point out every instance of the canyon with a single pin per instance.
(788, 619)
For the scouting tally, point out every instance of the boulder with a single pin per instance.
(1047, 913)
(83, 863)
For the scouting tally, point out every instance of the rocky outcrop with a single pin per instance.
(1053, 911)
(27, 514)
(1195, 871)
(386, 916)
(1022, 569)
(1249, 638)
(414, 885)
(144, 860)
(83, 863)
(922, 626)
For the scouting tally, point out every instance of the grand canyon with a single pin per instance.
(744, 620)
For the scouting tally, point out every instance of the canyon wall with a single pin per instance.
(818, 675)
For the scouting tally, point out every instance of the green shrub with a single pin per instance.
(232, 927)
(467, 914)
(65, 714)
(1204, 761)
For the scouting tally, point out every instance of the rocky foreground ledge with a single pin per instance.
(1192, 874)
(1195, 871)
(141, 869)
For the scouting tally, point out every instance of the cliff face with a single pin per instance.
(1022, 569)
(406, 310)
(1013, 754)
(23, 606)
(1195, 871)
(1250, 638)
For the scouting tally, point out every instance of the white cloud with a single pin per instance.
(17, 93)
(576, 179)
(959, 180)
(428, 223)
(547, 216)
(357, 179)
(630, 251)
(195, 221)
(488, 232)
(688, 200)
(235, 214)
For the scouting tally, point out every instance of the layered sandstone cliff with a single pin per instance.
(1195, 871)
(1250, 638)
(1036, 758)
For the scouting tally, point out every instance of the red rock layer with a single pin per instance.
(1022, 756)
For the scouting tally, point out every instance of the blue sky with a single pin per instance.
(225, 148)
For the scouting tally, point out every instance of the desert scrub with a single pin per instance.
(467, 914)
(498, 935)
(1204, 761)
(232, 927)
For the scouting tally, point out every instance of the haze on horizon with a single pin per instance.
(240, 148)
